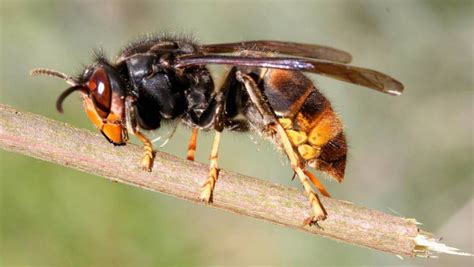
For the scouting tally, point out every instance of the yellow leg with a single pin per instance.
(318, 210)
(317, 183)
(131, 125)
(270, 120)
(192, 144)
(208, 186)
(148, 155)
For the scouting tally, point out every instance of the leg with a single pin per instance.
(208, 186)
(213, 116)
(131, 123)
(192, 144)
(219, 124)
(317, 183)
(270, 120)
(257, 98)
(318, 210)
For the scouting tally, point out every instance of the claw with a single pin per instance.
(313, 221)
(147, 160)
(208, 186)
(147, 163)
(206, 193)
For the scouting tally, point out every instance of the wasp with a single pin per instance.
(159, 79)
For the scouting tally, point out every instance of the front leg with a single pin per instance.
(131, 123)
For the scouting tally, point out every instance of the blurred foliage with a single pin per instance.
(411, 155)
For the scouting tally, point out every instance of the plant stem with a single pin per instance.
(42, 138)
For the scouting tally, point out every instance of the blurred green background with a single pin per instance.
(410, 155)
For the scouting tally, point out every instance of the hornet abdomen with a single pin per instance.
(309, 120)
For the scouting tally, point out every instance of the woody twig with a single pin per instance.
(57, 142)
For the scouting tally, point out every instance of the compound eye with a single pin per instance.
(99, 92)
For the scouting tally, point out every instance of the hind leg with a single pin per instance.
(317, 183)
(319, 213)
(269, 119)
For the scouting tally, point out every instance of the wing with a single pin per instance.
(289, 48)
(360, 76)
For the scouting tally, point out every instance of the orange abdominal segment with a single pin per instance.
(319, 140)
(308, 152)
(297, 137)
(326, 129)
(285, 123)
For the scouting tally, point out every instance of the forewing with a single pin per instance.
(360, 76)
(288, 48)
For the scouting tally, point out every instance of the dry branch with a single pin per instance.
(57, 142)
